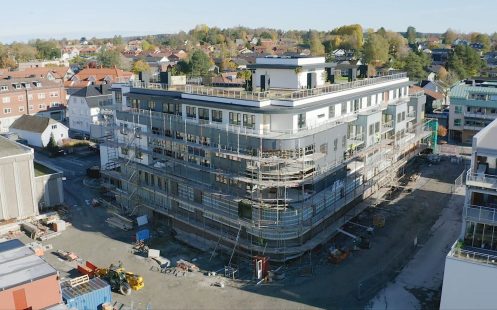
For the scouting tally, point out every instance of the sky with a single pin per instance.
(30, 19)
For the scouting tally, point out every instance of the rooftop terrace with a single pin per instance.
(273, 94)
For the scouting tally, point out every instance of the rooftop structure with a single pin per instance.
(26, 280)
(270, 170)
(98, 76)
(471, 265)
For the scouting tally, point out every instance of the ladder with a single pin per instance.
(236, 242)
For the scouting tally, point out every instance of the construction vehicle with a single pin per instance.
(119, 279)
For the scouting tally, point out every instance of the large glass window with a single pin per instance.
(217, 116)
(248, 121)
(203, 114)
(235, 118)
(191, 112)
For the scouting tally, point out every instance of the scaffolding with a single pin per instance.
(271, 197)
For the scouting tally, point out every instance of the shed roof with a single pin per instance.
(32, 123)
(19, 265)
(10, 148)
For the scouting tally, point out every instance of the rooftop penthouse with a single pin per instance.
(278, 81)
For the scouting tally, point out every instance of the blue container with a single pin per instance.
(87, 296)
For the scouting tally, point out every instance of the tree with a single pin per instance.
(376, 50)
(316, 46)
(22, 52)
(465, 61)
(47, 49)
(5, 60)
(483, 39)
(397, 44)
(79, 61)
(442, 74)
(449, 36)
(351, 35)
(140, 66)
(411, 35)
(442, 131)
(147, 46)
(182, 67)
(117, 40)
(52, 146)
(414, 66)
(109, 58)
(200, 63)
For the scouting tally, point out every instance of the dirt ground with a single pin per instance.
(311, 282)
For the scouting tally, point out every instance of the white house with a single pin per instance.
(84, 107)
(37, 130)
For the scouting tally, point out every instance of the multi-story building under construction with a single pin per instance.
(274, 170)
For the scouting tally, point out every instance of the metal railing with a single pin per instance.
(478, 257)
(275, 94)
(480, 115)
(480, 213)
(481, 178)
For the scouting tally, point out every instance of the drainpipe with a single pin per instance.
(27, 102)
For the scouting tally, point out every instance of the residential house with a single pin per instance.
(473, 105)
(227, 79)
(30, 96)
(69, 53)
(41, 64)
(37, 130)
(491, 59)
(98, 76)
(471, 264)
(88, 107)
(440, 56)
(56, 74)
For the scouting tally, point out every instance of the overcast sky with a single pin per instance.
(29, 19)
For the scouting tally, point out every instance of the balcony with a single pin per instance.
(472, 255)
(489, 116)
(481, 180)
(480, 214)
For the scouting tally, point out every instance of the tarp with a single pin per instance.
(142, 220)
(143, 234)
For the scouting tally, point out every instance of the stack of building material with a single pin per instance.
(185, 265)
(120, 222)
(59, 225)
(84, 293)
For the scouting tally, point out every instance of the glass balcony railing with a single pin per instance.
(481, 179)
(480, 214)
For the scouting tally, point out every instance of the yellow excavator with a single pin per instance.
(119, 279)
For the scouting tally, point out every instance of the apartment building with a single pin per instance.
(473, 105)
(471, 265)
(30, 96)
(273, 170)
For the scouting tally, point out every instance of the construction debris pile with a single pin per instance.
(41, 227)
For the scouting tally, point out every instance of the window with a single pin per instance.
(119, 96)
(331, 111)
(138, 154)
(248, 121)
(42, 106)
(324, 148)
(21, 109)
(6, 111)
(191, 112)
(320, 115)
(235, 118)
(399, 117)
(403, 116)
(301, 121)
(458, 109)
(54, 94)
(457, 122)
(54, 126)
(30, 97)
(335, 144)
(377, 127)
(357, 105)
(30, 107)
(37, 84)
(20, 98)
(27, 85)
(41, 96)
(54, 104)
(217, 116)
(6, 100)
(344, 141)
(203, 114)
(344, 108)
(151, 105)
(371, 129)
(4, 88)
(124, 151)
(17, 86)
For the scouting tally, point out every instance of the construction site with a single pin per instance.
(273, 174)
